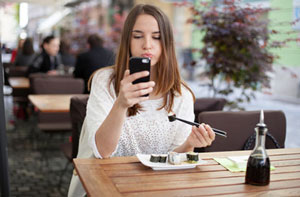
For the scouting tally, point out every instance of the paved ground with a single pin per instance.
(29, 173)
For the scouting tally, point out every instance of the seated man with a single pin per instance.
(96, 57)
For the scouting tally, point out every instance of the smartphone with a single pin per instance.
(138, 64)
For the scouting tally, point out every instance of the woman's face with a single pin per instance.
(145, 39)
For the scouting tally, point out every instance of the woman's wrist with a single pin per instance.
(120, 107)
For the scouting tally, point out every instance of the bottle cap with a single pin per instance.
(261, 120)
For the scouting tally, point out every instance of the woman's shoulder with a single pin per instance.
(186, 92)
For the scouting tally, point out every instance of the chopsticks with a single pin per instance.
(217, 131)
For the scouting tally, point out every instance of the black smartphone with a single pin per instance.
(138, 64)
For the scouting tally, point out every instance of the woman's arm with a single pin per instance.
(108, 134)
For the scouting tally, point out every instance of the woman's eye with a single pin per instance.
(137, 37)
(156, 37)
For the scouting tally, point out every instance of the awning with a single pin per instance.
(53, 19)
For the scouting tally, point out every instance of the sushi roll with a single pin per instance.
(155, 158)
(162, 159)
(174, 158)
(192, 157)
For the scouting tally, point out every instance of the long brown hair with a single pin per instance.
(169, 80)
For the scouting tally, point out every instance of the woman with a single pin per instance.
(26, 55)
(122, 122)
(49, 59)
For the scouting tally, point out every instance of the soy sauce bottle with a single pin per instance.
(258, 166)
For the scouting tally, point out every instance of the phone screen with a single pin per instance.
(138, 64)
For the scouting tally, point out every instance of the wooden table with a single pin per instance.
(19, 82)
(51, 102)
(126, 176)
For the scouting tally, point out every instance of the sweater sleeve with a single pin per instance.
(184, 109)
(100, 102)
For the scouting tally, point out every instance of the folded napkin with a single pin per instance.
(235, 164)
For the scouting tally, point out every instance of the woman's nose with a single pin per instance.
(147, 43)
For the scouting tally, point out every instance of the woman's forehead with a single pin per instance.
(146, 22)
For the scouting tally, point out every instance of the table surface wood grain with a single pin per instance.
(19, 82)
(51, 102)
(126, 176)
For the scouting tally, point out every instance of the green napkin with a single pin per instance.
(234, 166)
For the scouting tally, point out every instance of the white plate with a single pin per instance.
(145, 159)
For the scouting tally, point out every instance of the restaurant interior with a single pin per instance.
(42, 112)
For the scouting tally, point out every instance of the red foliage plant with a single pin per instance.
(236, 47)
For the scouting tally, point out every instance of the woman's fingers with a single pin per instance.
(199, 140)
(210, 132)
(131, 94)
(204, 135)
(142, 92)
(130, 78)
(143, 85)
(126, 73)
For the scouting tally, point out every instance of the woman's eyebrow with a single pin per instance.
(137, 31)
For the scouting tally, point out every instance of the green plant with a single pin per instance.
(236, 48)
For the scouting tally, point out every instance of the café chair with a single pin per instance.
(55, 85)
(45, 75)
(240, 125)
(208, 104)
(19, 95)
(77, 112)
(17, 71)
(56, 122)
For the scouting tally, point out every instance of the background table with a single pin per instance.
(19, 82)
(126, 176)
(51, 102)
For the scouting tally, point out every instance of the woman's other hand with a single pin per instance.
(201, 136)
(131, 94)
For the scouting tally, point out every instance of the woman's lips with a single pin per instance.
(147, 55)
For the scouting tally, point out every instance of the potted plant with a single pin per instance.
(236, 48)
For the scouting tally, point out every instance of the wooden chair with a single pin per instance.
(60, 122)
(77, 112)
(240, 125)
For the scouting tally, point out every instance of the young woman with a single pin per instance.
(119, 120)
(49, 59)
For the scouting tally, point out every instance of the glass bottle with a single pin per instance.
(258, 166)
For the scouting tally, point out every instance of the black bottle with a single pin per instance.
(258, 166)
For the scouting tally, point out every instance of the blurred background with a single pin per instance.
(74, 20)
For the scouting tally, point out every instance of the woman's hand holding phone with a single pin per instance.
(131, 94)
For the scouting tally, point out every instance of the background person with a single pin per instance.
(66, 57)
(26, 55)
(16, 50)
(96, 57)
(48, 60)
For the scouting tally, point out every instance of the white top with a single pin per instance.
(148, 132)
